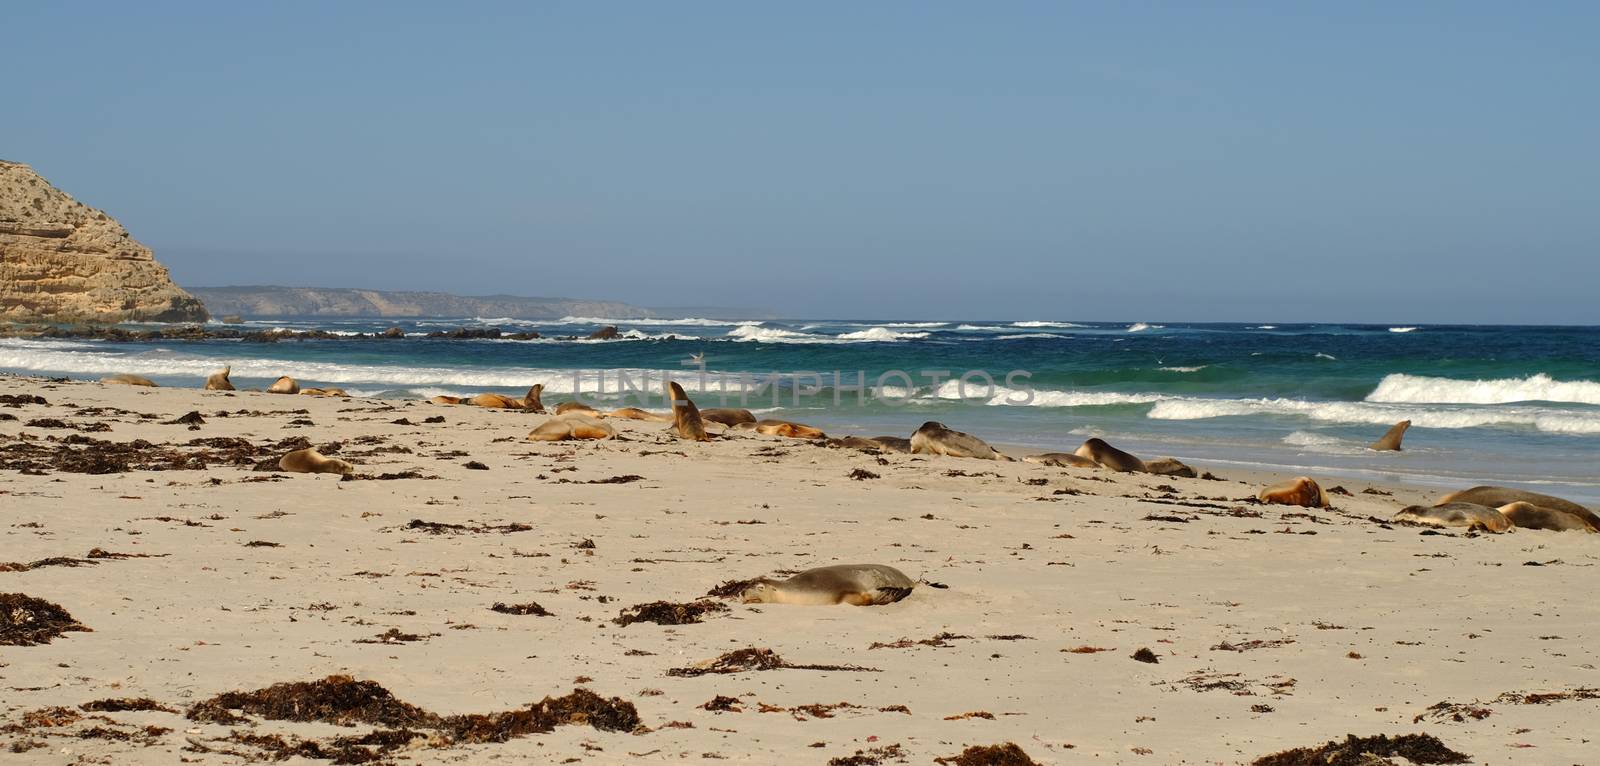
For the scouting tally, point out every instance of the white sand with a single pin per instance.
(1432, 617)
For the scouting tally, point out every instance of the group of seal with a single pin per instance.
(529, 401)
(1097, 453)
(1498, 509)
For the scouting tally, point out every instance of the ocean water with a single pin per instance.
(1488, 404)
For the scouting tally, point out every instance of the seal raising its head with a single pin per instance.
(858, 584)
(1391, 440)
(1469, 515)
(1106, 455)
(218, 381)
(935, 438)
(686, 422)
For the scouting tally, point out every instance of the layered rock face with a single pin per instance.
(62, 261)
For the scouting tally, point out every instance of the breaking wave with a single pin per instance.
(1418, 389)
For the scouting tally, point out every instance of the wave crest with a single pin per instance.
(1419, 389)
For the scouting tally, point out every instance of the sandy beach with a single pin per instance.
(1272, 627)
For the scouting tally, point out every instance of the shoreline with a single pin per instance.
(1346, 625)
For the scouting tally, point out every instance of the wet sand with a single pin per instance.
(1272, 627)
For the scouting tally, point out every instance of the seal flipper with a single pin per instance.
(1391, 440)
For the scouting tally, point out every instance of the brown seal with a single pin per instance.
(1495, 497)
(309, 460)
(1466, 515)
(686, 422)
(578, 407)
(856, 584)
(935, 438)
(126, 379)
(218, 381)
(1301, 490)
(634, 413)
(284, 385)
(322, 392)
(727, 416)
(1106, 455)
(1529, 516)
(1169, 466)
(573, 425)
(1391, 440)
(529, 401)
(785, 428)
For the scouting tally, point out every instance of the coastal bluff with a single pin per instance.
(64, 262)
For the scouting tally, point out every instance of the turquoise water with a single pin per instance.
(1496, 404)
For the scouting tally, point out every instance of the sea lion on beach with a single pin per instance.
(894, 443)
(1062, 460)
(1301, 490)
(284, 385)
(686, 422)
(1468, 515)
(727, 416)
(443, 399)
(218, 381)
(634, 413)
(572, 425)
(578, 407)
(322, 392)
(1495, 497)
(1169, 466)
(1099, 451)
(309, 460)
(857, 584)
(784, 428)
(1391, 440)
(126, 379)
(935, 438)
(1529, 516)
(529, 401)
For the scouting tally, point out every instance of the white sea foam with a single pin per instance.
(977, 328)
(1046, 324)
(773, 335)
(1265, 327)
(1419, 389)
(1195, 368)
(687, 321)
(1321, 355)
(1381, 414)
(1402, 329)
(1026, 335)
(880, 334)
(1141, 327)
(914, 324)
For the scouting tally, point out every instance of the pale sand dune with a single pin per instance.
(1432, 617)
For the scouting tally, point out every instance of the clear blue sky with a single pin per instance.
(1417, 161)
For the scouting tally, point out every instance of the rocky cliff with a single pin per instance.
(259, 301)
(62, 261)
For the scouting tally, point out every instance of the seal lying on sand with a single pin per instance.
(1104, 454)
(578, 407)
(218, 381)
(1469, 515)
(873, 443)
(572, 425)
(894, 443)
(858, 584)
(1495, 497)
(1062, 460)
(443, 399)
(634, 413)
(783, 428)
(529, 401)
(1530, 516)
(935, 438)
(686, 422)
(126, 379)
(1391, 440)
(1302, 491)
(1169, 466)
(309, 460)
(284, 385)
(322, 392)
(727, 416)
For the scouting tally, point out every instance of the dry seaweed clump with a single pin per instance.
(732, 588)
(29, 621)
(742, 660)
(122, 704)
(872, 756)
(668, 613)
(1007, 754)
(1368, 751)
(581, 707)
(530, 608)
(337, 699)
